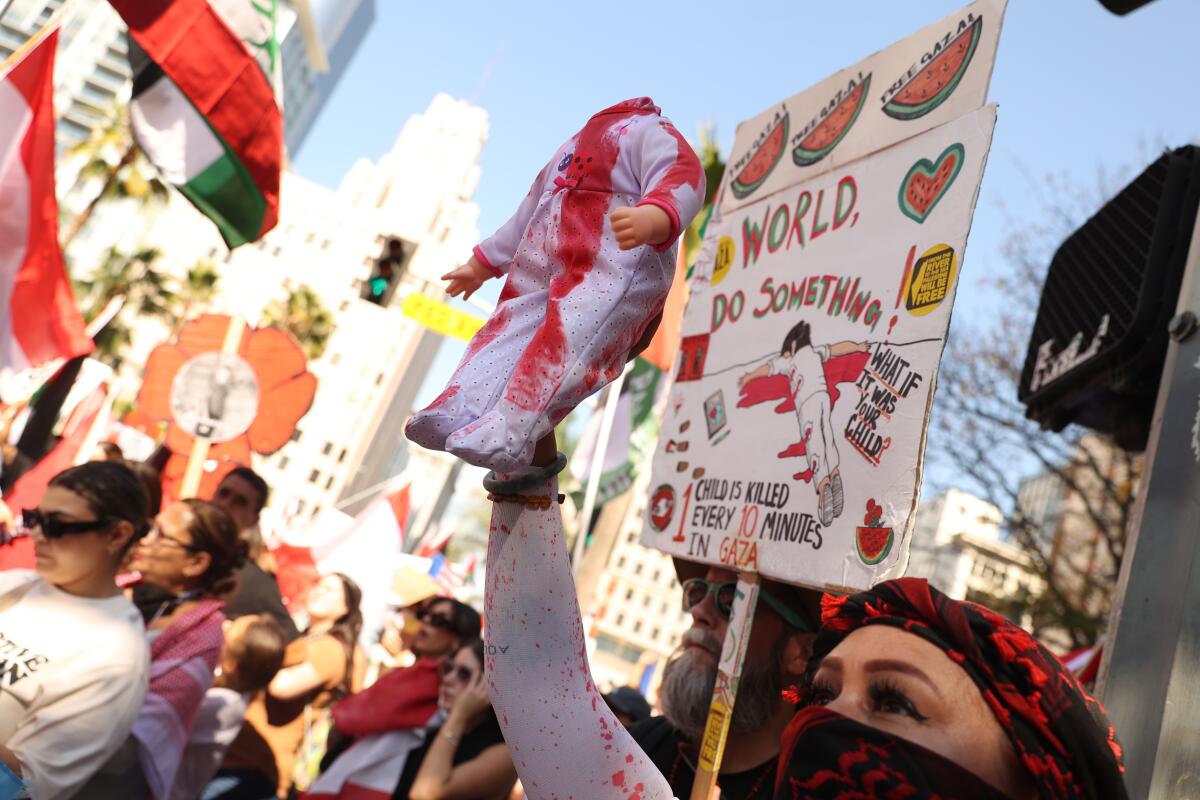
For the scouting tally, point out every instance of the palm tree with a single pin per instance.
(198, 288)
(714, 169)
(133, 277)
(303, 315)
(112, 157)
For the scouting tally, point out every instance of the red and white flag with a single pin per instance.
(39, 319)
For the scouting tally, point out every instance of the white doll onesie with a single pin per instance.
(574, 304)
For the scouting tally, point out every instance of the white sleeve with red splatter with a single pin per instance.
(670, 174)
(564, 741)
(498, 250)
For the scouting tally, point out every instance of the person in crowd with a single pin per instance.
(466, 756)
(252, 655)
(910, 693)
(781, 639)
(400, 631)
(628, 704)
(376, 728)
(190, 555)
(286, 726)
(243, 494)
(151, 481)
(77, 658)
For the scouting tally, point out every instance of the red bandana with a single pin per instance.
(1060, 732)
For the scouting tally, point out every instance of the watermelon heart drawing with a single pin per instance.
(927, 181)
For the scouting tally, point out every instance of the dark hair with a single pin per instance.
(151, 482)
(112, 451)
(112, 491)
(466, 620)
(213, 531)
(258, 653)
(348, 627)
(799, 336)
(476, 647)
(254, 479)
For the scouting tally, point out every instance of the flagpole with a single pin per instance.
(33, 41)
(201, 444)
(593, 486)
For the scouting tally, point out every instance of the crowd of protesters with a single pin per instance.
(191, 680)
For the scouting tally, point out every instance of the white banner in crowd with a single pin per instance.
(794, 434)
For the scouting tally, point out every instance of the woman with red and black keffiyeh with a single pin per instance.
(910, 694)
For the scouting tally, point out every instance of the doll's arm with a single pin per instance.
(671, 176)
(496, 251)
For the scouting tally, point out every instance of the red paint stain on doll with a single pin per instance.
(542, 366)
(490, 330)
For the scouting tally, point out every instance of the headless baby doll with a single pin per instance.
(589, 257)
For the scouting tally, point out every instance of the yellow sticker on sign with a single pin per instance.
(725, 254)
(713, 743)
(440, 317)
(930, 281)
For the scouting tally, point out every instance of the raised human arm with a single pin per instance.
(563, 738)
(845, 348)
(323, 665)
(762, 372)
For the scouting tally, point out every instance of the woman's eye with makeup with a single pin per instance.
(889, 699)
(822, 693)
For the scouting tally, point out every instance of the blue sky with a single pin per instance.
(1077, 87)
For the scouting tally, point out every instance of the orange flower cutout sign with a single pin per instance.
(249, 399)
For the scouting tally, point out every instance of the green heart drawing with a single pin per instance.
(926, 182)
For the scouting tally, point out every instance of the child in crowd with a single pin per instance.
(252, 654)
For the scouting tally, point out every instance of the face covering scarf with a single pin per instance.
(828, 756)
(1061, 734)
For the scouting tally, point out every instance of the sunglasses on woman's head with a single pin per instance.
(436, 620)
(53, 527)
(464, 674)
(723, 592)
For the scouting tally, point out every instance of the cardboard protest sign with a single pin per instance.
(794, 433)
(925, 80)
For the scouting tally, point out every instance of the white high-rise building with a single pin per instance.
(351, 439)
(956, 546)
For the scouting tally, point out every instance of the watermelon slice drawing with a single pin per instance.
(873, 540)
(926, 182)
(834, 128)
(762, 163)
(930, 87)
(873, 544)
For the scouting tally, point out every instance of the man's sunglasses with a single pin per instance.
(55, 528)
(464, 673)
(723, 592)
(436, 620)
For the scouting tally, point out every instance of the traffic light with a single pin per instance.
(386, 272)
(1100, 338)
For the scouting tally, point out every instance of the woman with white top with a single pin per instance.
(73, 654)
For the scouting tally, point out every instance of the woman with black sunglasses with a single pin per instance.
(74, 655)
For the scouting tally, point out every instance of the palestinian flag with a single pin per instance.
(203, 108)
(40, 324)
